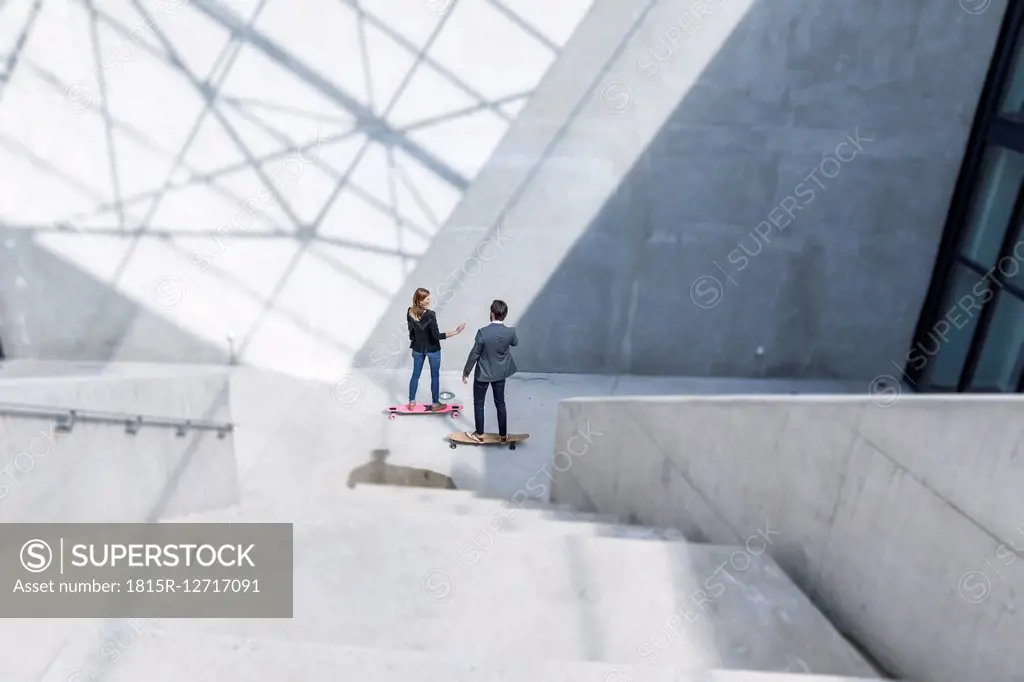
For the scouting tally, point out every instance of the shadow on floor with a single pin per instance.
(378, 472)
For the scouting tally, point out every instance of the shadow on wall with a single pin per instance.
(379, 472)
(750, 179)
(790, 168)
(51, 309)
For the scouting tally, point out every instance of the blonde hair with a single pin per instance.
(417, 308)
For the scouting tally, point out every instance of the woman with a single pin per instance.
(425, 342)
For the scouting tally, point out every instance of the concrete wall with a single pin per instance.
(97, 472)
(901, 518)
(276, 187)
(682, 190)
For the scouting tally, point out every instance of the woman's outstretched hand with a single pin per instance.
(458, 330)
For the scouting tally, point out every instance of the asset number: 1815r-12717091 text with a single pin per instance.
(193, 585)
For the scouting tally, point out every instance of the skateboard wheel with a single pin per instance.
(512, 446)
(391, 416)
(451, 445)
(455, 415)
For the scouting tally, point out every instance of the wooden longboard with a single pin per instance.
(460, 438)
(396, 410)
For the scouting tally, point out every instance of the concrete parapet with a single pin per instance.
(901, 518)
(101, 472)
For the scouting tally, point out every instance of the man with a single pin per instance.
(492, 357)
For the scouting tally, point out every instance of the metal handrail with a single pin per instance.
(67, 418)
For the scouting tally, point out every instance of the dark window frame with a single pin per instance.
(989, 129)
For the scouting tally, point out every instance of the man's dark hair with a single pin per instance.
(499, 309)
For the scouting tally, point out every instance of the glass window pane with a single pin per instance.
(1002, 357)
(944, 346)
(1012, 105)
(992, 205)
(1011, 266)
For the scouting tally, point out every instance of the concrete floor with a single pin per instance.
(284, 424)
(281, 419)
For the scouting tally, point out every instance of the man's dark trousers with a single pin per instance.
(480, 394)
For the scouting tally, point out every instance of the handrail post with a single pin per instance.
(66, 422)
(131, 427)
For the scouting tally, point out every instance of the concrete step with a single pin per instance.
(460, 499)
(423, 583)
(464, 502)
(468, 502)
(162, 657)
(472, 518)
(472, 523)
(319, 490)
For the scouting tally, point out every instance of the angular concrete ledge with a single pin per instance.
(901, 516)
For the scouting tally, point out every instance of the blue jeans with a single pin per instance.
(435, 375)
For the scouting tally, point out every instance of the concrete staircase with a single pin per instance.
(399, 583)
(406, 583)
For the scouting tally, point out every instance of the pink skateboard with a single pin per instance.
(396, 410)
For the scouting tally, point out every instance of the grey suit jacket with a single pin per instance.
(492, 353)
